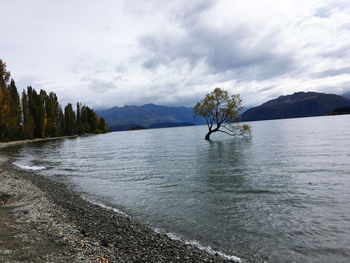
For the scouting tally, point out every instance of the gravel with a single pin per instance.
(82, 231)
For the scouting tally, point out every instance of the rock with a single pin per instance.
(4, 198)
(104, 243)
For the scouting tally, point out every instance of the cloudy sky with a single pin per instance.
(112, 53)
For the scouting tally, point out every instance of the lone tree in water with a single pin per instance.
(221, 112)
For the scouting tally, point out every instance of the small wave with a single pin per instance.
(27, 167)
(105, 206)
(256, 191)
(201, 247)
(172, 235)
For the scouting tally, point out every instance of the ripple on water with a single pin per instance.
(282, 195)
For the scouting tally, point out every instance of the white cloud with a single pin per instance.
(134, 52)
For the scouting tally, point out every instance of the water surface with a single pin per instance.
(282, 195)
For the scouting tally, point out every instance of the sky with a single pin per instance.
(113, 52)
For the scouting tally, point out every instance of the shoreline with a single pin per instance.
(86, 231)
(19, 142)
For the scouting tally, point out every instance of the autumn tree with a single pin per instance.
(4, 100)
(40, 114)
(10, 111)
(94, 121)
(103, 125)
(222, 113)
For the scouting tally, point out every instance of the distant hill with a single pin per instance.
(346, 95)
(127, 117)
(299, 104)
(167, 125)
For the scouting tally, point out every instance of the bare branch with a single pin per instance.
(225, 126)
(232, 134)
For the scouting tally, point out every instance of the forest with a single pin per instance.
(39, 114)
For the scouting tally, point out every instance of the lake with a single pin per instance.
(282, 195)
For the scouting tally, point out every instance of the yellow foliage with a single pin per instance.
(221, 111)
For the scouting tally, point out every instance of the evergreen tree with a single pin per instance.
(79, 123)
(28, 122)
(61, 123)
(52, 114)
(85, 128)
(14, 111)
(69, 120)
(37, 111)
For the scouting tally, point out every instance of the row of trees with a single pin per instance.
(39, 115)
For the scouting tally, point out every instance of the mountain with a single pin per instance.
(148, 116)
(299, 104)
(346, 95)
(169, 124)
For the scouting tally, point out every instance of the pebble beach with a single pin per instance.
(46, 221)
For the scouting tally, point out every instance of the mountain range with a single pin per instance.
(300, 104)
(346, 95)
(148, 116)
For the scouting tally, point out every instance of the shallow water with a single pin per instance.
(282, 195)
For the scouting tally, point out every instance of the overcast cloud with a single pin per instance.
(113, 53)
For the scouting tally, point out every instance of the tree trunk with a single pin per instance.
(208, 135)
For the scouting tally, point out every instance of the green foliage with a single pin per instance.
(221, 112)
(89, 122)
(15, 110)
(52, 108)
(61, 121)
(40, 115)
(28, 122)
(69, 120)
